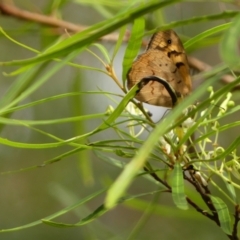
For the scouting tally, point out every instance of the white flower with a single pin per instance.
(189, 122)
(132, 109)
(165, 146)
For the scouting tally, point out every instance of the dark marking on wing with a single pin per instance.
(175, 53)
(179, 64)
(179, 81)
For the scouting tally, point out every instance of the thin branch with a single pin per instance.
(190, 202)
(158, 179)
(203, 67)
(205, 197)
(11, 10)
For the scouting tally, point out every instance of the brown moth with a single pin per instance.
(165, 58)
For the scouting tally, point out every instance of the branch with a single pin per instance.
(190, 202)
(202, 67)
(11, 10)
(205, 197)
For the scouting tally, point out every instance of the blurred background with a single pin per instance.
(31, 195)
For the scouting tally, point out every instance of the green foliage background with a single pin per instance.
(63, 147)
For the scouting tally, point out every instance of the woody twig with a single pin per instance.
(205, 197)
(190, 202)
(13, 11)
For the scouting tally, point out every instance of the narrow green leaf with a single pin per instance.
(10, 143)
(20, 84)
(229, 47)
(205, 34)
(119, 109)
(178, 192)
(106, 124)
(8, 121)
(55, 97)
(57, 214)
(95, 214)
(119, 41)
(18, 43)
(85, 164)
(50, 161)
(21, 89)
(192, 20)
(103, 50)
(113, 4)
(114, 162)
(103, 10)
(223, 214)
(133, 47)
(229, 186)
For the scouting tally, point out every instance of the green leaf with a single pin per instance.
(57, 214)
(178, 192)
(95, 214)
(116, 113)
(22, 87)
(196, 39)
(16, 42)
(106, 124)
(229, 186)
(223, 214)
(204, 18)
(229, 47)
(10, 143)
(20, 84)
(119, 41)
(133, 47)
(103, 50)
(8, 121)
(55, 97)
